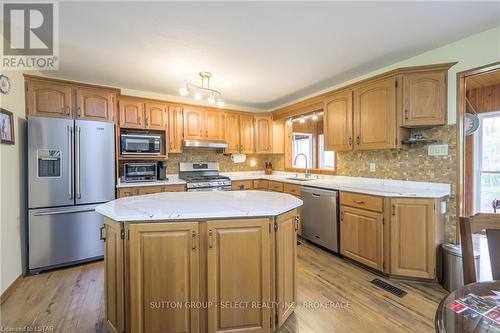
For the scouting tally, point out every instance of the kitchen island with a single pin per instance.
(200, 261)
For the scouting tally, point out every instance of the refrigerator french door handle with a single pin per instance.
(59, 212)
(70, 161)
(78, 193)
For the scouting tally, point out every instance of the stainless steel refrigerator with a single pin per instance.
(71, 169)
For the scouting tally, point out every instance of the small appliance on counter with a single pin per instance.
(162, 170)
(139, 172)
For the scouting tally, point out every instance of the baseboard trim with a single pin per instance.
(10, 289)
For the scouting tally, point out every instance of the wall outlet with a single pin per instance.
(372, 167)
(437, 150)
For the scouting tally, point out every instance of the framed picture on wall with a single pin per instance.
(6, 127)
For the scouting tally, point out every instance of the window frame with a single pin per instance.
(478, 158)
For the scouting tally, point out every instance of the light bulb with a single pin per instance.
(220, 103)
(211, 99)
(302, 120)
(289, 122)
(314, 116)
(183, 91)
(197, 96)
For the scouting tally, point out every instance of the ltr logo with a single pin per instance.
(28, 29)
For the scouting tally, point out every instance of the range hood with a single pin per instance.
(204, 144)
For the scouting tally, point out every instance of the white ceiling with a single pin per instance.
(262, 54)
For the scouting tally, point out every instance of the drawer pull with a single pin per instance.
(359, 202)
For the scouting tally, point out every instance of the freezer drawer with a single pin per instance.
(319, 217)
(63, 236)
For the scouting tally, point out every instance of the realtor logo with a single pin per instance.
(30, 36)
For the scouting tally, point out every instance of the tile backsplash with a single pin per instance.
(225, 162)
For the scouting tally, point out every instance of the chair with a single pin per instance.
(475, 224)
(496, 205)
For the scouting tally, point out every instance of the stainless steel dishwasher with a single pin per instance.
(320, 217)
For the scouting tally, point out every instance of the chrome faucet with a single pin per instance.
(307, 173)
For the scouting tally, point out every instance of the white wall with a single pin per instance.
(12, 184)
(473, 51)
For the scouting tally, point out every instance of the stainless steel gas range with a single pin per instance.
(203, 176)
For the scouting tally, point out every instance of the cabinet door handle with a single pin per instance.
(201, 132)
(406, 114)
(101, 235)
(359, 202)
(350, 141)
(193, 240)
(342, 216)
(79, 111)
(206, 133)
(393, 210)
(146, 121)
(210, 244)
(358, 140)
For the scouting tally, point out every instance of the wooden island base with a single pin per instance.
(231, 275)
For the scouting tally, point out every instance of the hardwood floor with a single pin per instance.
(333, 296)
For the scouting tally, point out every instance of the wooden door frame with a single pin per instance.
(461, 109)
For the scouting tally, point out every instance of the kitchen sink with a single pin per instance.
(300, 179)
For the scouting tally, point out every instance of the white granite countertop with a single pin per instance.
(198, 205)
(373, 186)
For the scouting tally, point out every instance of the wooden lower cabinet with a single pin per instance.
(240, 185)
(362, 236)
(261, 184)
(155, 271)
(164, 277)
(397, 236)
(416, 233)
(150, 190)
(114, 276)
(238, 267)
(287, 226)
(140, 190)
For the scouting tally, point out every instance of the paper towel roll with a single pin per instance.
(238, 158)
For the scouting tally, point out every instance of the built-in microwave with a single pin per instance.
(140, 143)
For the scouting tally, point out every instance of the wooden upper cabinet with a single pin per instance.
(246, 134)
(232, 132)
(263, 134)
(214, 125)
(131, 113)
(278, 136)
(424, 99)
(361, 236)
(194, 123)
(175, 128)
(95, 104)
(155, 116)
(163, 257)
(238, 270)
(48, 99)
(337, 123)
(375, 115)
(413, 245)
